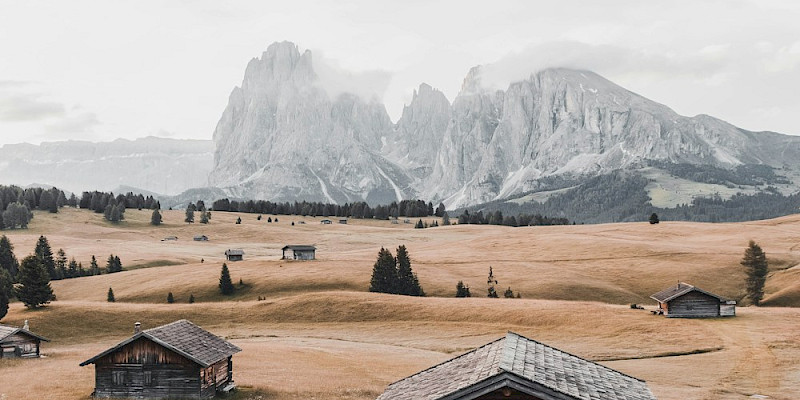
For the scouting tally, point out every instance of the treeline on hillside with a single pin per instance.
(17, 204)
(621, 197)
(497, 218)
(358, 210)
(113, 207)
(747, 174)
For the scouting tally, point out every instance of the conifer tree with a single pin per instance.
(155, 218)
(238, 220)
(94, 269)
(191, 298)
(445, 219)
(5, 292)
(755, 264)
(16, 214)
(384, 273)
(491, 282)
(72, 270)
(225, 284)
(110, 298)
(61, 265)
(654, 219)
(407, 280)
(45, 255)
(8, 261)
(170, 298)
(204, 217)
(189, 215)
(462, 290)
(509, 294)
(34, 289)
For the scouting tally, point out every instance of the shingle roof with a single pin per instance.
(6, 331)
(299, 247)
(184, 338)
(516, 356)
(679, 290)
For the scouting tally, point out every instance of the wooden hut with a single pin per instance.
(177, 360)
(518, 368)
(343, 221)
(686, 301)
(299, 252)
(200, 238)
(326, 222)
(19, 342)
(234, 254)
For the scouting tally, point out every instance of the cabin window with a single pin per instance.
(148, 378)
(118, 378)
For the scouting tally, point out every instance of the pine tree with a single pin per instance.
(238, 220)
(113, 264)
(5, 292)
(225, 283)
(191, 298)
(45, 256)
(16, 214)
(509, 294)
(654, 219)
(72, 271)
(94, 269)
(462, 290)
(170, 298)
(384, 273)
(419, 225)
(110, 297)
(8, 261)
(116, 213)
(445, 219)
(155, 218)
(491, 282)
(204, 217)
(407, 280)
(756, 267)
(34, 289)
(189, 215)
(61, 265)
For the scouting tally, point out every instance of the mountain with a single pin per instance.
(284, 137)
(158, 165)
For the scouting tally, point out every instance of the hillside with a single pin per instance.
(336, 340)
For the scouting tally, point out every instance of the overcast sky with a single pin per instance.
(100, 70)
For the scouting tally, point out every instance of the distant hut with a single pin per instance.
(169, 238)
(299, 252)
(200, 238)
(234, 254)
(515, 367)
(19, 342)
(177, 360)
(326, 222)
(343, 221)
(686, 301)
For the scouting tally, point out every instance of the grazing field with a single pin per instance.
(320, 334)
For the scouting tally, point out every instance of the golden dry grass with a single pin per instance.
(319, 334)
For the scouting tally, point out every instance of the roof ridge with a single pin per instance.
(169, 324)
(447, 361)
(567, 353)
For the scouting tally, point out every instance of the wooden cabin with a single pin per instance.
(177, 360)
(517, 368)
(326, 222)
(299, 252)
(200, 238)
(343, 221)
(686, 301)
(169, 238)
(19, 342)
(234, 254)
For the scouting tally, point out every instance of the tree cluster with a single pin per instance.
(17, 204)
(358, 210)
(394, 275)
(98, 201)
(497, 218)
(462, 290)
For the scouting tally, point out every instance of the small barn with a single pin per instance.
(343, 221)
(234, 254)
(177, 360)
(686, 301)
(326, 222)
(200, 238)
(517, 368)
(19, 342)
(299, 252)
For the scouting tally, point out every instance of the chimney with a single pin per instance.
(26, 326)
(137, 327)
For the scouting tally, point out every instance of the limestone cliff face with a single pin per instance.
(283, 137)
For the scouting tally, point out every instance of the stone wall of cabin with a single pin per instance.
(694, 305)
(19, 345)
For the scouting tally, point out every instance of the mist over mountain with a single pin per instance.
(164, 166)
(284, 137)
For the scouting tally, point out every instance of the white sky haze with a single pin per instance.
(100, 70)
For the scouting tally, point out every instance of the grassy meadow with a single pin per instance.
(319, 334)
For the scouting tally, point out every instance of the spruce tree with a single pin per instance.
(155, 218)
(225, 284)
(491, 282)
(509, 294)
(170, 298)
(407, 280)
(8, 261)
(5, 292)
(72, 270)
(445, 219)
(61, 265)
(462, 290)
(110, 298)
(191, 298)
(204, 217)
(45, 255)
(384, 273)
(238, 220)
(189, 215)
(755, 264)
(34, 289)
(94, 269)
(654, 219)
